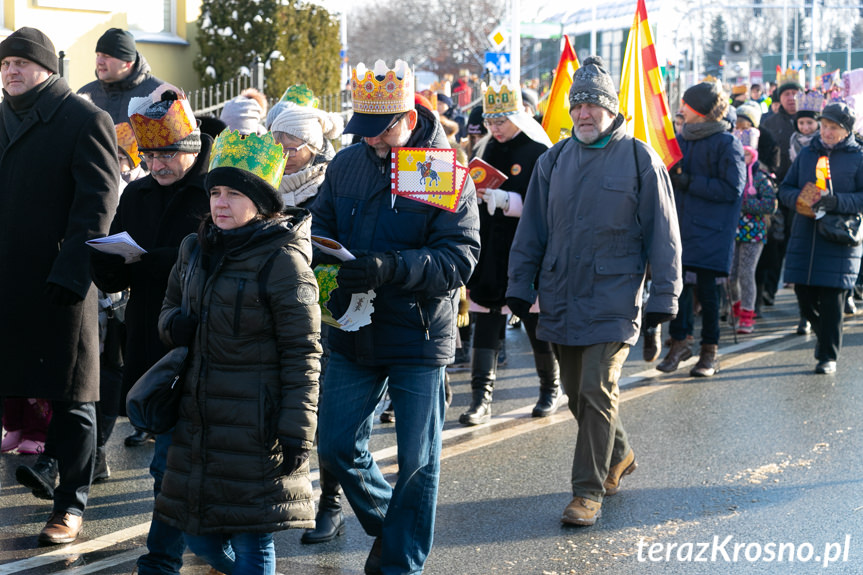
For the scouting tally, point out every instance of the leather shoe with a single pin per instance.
(41, 478)
(63, 527)
(138, 438)
(826, 366)
(804, 327)
(373, 561)
(329, 524)
(626, 466)
(581, 511)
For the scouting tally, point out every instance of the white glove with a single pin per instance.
(495, 198)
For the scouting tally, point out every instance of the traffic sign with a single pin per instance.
(497, 63)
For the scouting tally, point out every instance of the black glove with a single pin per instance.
(518, 306)
(102, 260)
(158, 259)
(183, 329)
(367, 272)
(680, 180)
(654, 318)
(58, 295)
(294, 459)
(827, 203)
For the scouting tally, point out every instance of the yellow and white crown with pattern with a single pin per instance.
(500, 100)
(258, 155)
(393, 94)
(789, 76)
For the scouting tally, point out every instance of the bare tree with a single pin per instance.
(441, 37)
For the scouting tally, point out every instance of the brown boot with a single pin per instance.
(581, 511)
(623, 468)
(707, 363)
(679, 352)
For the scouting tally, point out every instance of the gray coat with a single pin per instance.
(589, 228)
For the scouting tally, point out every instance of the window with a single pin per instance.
(147, 17)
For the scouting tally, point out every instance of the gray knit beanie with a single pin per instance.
(244, 115)
(592, 84)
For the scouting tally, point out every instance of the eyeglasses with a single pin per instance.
(292, 152)
(164, 158)
(393, 124)
(496, 123)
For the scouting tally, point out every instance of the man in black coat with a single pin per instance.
(122, 73)
(58, 160)
(158, 211)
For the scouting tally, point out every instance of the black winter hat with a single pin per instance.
(33, 45)
(592, 84)
(707, 100)
(840, 113)
(787, 86)
(118, 43)
(266, 198)
(475, 123)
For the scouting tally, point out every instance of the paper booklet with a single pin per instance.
(120, 244)
(428, 175)
(360, 309)
(484, 175)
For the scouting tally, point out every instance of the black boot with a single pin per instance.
(330, 521)
(483, 374)
(549, 384)
(41, 478)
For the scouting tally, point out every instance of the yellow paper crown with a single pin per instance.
(258, 155)
(126, 142)
(154, 133)
(500, 100)
(391, 95)
(789, 76)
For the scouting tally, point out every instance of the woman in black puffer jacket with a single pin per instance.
(237, 467)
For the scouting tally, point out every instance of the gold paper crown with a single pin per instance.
(500, 100)
(789, 76)
(126, 141)
(301, 95)
(811, 101)
(258, 155)
(154, 133)
(391, 95)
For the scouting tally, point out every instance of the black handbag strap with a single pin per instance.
(187, 278)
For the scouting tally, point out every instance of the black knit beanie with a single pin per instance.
(475, 123)
(592, 84)
(33, 45)
(706, 99)
(266, 198)
(118, 43)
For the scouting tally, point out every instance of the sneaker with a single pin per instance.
(138, 438)
(826, 367)
(581, 511)
(804, 327)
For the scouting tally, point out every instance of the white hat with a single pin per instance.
(308, 124)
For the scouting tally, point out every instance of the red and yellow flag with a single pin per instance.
(642, 99)
(556, 117)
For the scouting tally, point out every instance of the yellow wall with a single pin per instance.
(76, 32)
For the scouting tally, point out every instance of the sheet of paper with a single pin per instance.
(120, 244)
(360, 309)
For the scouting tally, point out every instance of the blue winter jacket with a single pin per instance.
(414, 318)
(709, 210)
(810, 259)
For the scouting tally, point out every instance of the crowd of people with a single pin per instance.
(225, 210)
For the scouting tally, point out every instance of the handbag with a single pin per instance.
(153, 403)
(842, 229)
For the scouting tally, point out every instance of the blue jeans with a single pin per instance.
(237, 553)
(708, 297)
(165, 544)
(403, 516)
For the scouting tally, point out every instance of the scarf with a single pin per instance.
(302, 186)
(701, 130)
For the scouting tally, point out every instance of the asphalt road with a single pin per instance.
(756, 470)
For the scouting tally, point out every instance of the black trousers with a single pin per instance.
(824, 307)
(71, 441)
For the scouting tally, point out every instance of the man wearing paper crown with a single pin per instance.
(414, 256)
(157, 211)
(599, 208)
(255, 361)
(516, 142)
(58, 159)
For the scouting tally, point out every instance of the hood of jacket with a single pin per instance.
(140, 72)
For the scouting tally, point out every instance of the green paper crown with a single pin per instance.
(301, 95)
(258, 155)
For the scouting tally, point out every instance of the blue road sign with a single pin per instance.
(497, 63)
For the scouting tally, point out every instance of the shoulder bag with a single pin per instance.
(843, 229)
(153, 403)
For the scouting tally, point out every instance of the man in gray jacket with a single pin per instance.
(599, 208)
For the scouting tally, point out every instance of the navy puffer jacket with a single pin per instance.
(810, 259)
